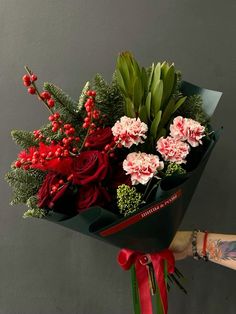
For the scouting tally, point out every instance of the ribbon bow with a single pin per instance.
(142, 262)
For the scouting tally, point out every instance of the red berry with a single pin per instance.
(59, 149)
(107, 147)
(51, 118)
(51, 102)
(26, 167)
(67, 126)
(27, 83)
(18, 164)
(74, 150)
(70, 177)
(56, 115)
(33, 77)
(34, 161)
(61, 182)
(87, 119)
(77, 139)
(36, 154)
(65, 141)
(91, 93)
(31, 90)
(45, 95)
(50, 155)
(71, 131)
(86, 144)
(66, 153)
(43, 155)
(54, 129)
(112, 155)
(85, 125)
(88, 109)
(54, 188)
(26, 78)
(55, 124)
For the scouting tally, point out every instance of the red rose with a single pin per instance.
(90, 166)
(100, 138)
(119, 176)
(61, 201)
(91, 195)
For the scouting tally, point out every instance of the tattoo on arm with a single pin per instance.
(224, 250)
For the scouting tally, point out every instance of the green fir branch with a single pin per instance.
(108, 98)
(24, 139)
(83, 97)
(24, 183)
(192, 108)
(63, 103)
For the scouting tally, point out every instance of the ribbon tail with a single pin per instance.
(144, 289)
(136, 302)
(159, 271)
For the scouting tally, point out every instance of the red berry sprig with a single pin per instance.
(29, 81)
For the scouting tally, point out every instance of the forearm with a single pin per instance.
(220, 248)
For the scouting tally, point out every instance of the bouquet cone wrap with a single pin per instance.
(153, 227)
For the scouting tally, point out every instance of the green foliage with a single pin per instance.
(36, 213)
(128, 199)
(24, 183)
(83, 97)
(192, 108)
(174, 168)
(33, 210)
(151, 94)
(63, 103)
(47, 132)
(108, 98)
(24, 139)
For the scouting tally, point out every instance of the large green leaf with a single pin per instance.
(124, 71)
(144, 80)
(150, 77)
(167, 112)
(148, 104)
(161, 132)
(179, 103)
(156, 75)
(164, 69)
(143, 114)
(157, 71)
(129, 108)
(157, 93)
(168, 83)
(155, 123)
(120, 82)
(137, 93)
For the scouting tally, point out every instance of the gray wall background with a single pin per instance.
(47, 269)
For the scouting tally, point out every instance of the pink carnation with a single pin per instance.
(172, 149)
(129, 131)
(188, 130)
(142, 167)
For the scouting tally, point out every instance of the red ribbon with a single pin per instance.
(126, 258)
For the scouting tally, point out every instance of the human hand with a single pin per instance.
(181, 245)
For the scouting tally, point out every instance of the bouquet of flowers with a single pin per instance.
(120, 164)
